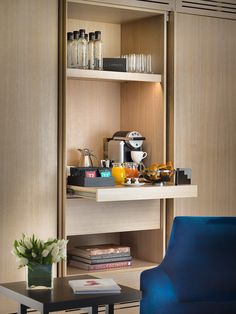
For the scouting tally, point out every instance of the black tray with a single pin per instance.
(83, 181)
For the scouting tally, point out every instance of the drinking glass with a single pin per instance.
(148, 63)
(118, 172)
(132, 62)
(131, 170)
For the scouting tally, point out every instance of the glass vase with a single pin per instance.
(39, 276)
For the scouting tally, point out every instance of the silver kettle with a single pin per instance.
(86, 157)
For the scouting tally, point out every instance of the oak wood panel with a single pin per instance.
(93, 113)
(143, 105)
(205, 111)
(142, 110)
(131, 193)
(145, 36)
(112, 76)
(116, 11)
(28, 126)
(86, 217)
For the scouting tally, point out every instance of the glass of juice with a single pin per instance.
(131, 170)
(118, 172)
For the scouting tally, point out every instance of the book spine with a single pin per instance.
(110, 251)
(100, 266)
(80, 253)
(101, 260)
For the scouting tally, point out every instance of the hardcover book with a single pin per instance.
(106, 285)
(99, 266)
(101, 260)
(103, 251)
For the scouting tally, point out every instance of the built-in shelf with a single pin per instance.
(112, 76)
(126, 193)
(137, 265)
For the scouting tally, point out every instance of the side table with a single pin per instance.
(61, 297)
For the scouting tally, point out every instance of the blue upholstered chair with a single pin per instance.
(198, 273)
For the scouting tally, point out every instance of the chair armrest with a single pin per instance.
(157, 290)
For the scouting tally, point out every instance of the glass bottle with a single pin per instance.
(98, 64)
(75, 49)
(91, 51)
(82, 50)
(87, 41)
(70, 38)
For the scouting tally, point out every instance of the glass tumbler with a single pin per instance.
(118, 172)
(132, 62)
(148, 64)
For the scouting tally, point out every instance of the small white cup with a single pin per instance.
(138, 156)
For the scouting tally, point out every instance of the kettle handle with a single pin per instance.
(87, 151)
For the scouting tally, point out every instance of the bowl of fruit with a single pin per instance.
(159, 173)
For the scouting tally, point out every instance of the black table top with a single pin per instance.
(62, 297)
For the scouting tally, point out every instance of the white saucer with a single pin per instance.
(133, 184)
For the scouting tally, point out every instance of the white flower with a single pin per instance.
(36, 250)
(50, 247)
(45, 253)
(55, 251)
(22, 262)
(14, 252)
(21, 249)
(28, 243)
(62, 244)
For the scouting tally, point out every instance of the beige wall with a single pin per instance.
(28, 127)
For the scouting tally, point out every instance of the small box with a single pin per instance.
(90, 176)
(114, 64)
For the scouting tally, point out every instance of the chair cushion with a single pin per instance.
(201, 258)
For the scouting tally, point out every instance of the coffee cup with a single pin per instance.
(138, 156)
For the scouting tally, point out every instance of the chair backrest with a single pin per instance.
(201, 258)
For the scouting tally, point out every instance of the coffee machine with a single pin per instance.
(122, 143)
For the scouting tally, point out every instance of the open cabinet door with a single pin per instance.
(202, 110)
(28, 127)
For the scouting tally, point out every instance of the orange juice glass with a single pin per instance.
(118, 172)
(131, 170)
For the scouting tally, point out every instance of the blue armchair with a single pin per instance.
(198, 273)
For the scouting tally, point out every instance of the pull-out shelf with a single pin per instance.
(124, 193)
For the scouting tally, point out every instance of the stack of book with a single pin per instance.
(100, 257)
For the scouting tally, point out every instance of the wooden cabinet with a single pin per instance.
(98, 103)
(28, 128)
(202, 111)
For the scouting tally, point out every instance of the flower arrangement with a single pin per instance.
(31, 251)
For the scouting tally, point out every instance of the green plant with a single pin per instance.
(31, 250)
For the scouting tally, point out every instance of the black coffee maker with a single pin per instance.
(122, 143)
